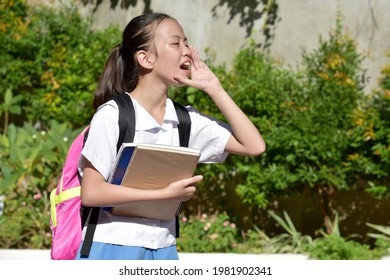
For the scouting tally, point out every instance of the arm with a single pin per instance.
(96, 191)
(246, 139)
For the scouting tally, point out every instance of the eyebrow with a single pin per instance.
(179, 37)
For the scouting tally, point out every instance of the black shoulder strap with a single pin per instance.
(184, 125)
(126, 123)
(126, 119)
(184, 128)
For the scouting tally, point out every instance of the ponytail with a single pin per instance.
(111, 80)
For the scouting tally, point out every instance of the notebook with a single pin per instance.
(152, 166)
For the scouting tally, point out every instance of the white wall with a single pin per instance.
(299, 25)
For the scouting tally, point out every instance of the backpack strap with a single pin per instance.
(184, 125)
(126, 119)
(91, 227)
(126, 124)
(184, 128)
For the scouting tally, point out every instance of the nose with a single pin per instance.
(186, 51)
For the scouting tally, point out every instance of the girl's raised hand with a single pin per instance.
(201, 76)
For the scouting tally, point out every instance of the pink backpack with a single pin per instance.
(65, 204)
(68, 216)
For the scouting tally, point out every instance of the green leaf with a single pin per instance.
(384, 229)
(10, 181)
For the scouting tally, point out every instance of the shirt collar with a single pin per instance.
(144, 121)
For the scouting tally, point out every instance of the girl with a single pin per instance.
(153, 56)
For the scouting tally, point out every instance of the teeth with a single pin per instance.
(185, 65)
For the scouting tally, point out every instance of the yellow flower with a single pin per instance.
(369, 134)
(358, 122)
(3, 27)
(353, 157)
(349, 82)
(323, 75)
(335, 61)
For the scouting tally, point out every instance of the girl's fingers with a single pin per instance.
(188, 182)
(196, 60)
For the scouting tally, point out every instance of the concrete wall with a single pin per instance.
(202, 27)
(366, 21)
(223, 25)
(294, 25)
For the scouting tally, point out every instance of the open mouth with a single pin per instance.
(185, 66)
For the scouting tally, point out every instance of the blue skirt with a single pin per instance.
(104, 251)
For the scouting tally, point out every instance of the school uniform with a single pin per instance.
(118, 237)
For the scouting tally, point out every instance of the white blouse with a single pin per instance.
(207, 135)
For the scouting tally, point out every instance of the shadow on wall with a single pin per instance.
(124, 4)
(248, 10)
(251, 10)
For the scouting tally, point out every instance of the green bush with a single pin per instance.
(306, 118)
(335, 247)
(30, 166)
(265, 90)
(216, 233)
(369, 155)
(52, 59)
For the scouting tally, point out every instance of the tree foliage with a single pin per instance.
(52, 60)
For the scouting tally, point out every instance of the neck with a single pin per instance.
(152, 99)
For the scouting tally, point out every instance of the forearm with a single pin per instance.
(95, 191)
(105, 194)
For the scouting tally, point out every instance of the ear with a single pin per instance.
(145, 59)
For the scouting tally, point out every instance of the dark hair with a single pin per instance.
(121, 70)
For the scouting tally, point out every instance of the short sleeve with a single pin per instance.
(208, 135)
(100, 147)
